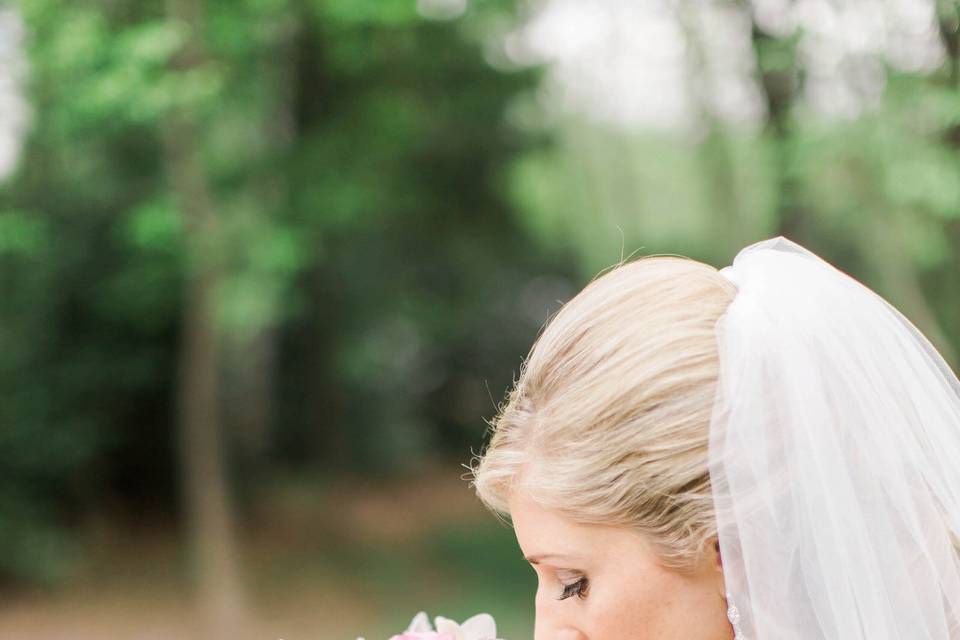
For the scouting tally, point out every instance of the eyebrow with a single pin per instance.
(535, 559)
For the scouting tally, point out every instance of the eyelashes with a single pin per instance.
(577, 588)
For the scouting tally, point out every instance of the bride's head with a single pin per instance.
(599, 458)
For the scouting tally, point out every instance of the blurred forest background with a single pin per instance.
(266, 267)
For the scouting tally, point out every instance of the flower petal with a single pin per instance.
(480, 627)
(419, 624)
(448, 626)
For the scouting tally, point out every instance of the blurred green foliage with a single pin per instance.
(355, 151)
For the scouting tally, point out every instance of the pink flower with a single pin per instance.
(479, 627)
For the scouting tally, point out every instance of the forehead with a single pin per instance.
(540, 530)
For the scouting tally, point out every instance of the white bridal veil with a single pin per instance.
(834, 458)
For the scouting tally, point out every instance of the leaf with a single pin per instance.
(21, 233)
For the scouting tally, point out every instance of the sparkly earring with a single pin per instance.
(733, 615)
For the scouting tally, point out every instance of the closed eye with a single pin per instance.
(577, 588)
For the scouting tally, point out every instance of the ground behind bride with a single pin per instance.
(324, 562)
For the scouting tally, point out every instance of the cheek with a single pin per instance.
(622, 607)
(649, 604)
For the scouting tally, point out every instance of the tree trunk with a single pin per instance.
(208, 512)
(879, 244)
(950, 35)
(252, 356)
(780, 89)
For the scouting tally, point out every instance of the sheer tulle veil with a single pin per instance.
(834, 458)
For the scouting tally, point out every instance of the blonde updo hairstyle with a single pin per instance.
(608, 421)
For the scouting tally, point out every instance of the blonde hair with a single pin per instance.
(608, 421)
